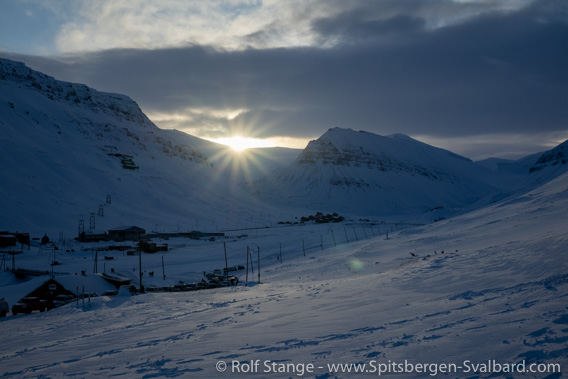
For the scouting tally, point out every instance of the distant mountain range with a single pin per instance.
(368, 174)
(71, 153)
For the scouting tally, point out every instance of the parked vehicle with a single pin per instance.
(4, 308)
(28, 305)
(61, 300)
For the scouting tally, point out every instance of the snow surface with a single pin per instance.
(497, 292)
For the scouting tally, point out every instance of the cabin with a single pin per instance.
(150, 247)
(7, 239)
(126, 233)
(49, 289)
(73, 285)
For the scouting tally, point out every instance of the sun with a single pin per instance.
(239, 143)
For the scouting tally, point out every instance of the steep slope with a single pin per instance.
(531, 171)
(364, 173)
(551, 163)
(68, 151)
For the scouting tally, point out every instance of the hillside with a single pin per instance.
(68, 151)
(488, 286)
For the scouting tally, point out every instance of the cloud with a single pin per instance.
(443, 70)
(147, 24)
(225, 24)
(352, 26)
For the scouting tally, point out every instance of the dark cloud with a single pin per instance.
(355, 27)
(497, 72)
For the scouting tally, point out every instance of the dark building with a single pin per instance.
(7, 240)
(123, 233)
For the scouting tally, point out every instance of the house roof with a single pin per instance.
(127, 229)
(90, 282)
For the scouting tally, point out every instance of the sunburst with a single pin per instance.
(239, 143)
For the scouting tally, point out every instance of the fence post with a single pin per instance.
(333, 235)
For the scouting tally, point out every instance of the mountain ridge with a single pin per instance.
(65, 147)
(63, 155)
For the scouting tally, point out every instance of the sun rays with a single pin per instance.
(241, 162)
(242, 143)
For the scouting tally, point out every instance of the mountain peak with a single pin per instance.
(345, 146)
(19, 75)
(374, 174)
(341, 136)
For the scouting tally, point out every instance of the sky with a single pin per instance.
(480, 78)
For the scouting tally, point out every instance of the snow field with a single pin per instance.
(501, 296)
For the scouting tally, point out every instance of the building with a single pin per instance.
(123, 233)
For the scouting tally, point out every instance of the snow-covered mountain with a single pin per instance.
(69, 151)
(365, 173)
(530, 171)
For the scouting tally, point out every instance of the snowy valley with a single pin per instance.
(481, 292)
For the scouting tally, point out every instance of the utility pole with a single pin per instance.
(96, 268)
(140, 266)
(251, 261)
(258, 262)
(246, 283)
(226, 264)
